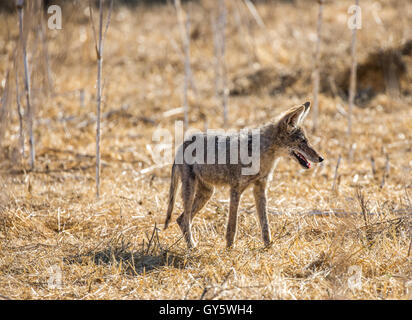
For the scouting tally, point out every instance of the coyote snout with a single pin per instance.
(283, 137)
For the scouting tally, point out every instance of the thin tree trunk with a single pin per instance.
(19, 5)
(4, 105)
(216, 52)
(219, 52)
(316, 76)
(185, 35)
(43, 39)
(99, 52)
(352, 86)
(21, 131)
(222, 25)
(99, 97)
(187, 71)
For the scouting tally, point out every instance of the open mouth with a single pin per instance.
(301, 159)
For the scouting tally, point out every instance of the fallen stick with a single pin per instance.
(336, 173)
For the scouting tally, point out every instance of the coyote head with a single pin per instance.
(293, 138)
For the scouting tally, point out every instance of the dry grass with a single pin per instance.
(111, 249)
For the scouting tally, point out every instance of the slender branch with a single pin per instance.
(255, 13)
(316, 76)
(187, 70)
(43, 38)
(216, 52)
(222, 38)
(109, 16)
(4, 102)
(336, 172)
(92, 23)
(185, 35)
(99, 52)
(19, 112)
(352, 85)
(19, 5)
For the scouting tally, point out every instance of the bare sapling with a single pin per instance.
(334, 186)
(352, 85)
(20, 5)
(216, 54)
(219, 51)
(4, 104)
(225, 93)
(184, 26)
(19, 111)
(99, 52)
(43, 38)
(316, 75)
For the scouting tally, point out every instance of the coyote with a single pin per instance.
(283, 137)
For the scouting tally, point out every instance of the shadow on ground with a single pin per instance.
(150, 256)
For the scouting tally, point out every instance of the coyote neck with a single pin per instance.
(270, 148)
(271, 141)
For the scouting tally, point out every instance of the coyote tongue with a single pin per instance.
(302, 160)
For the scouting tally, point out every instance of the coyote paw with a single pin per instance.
(229, 245)
(268, 244)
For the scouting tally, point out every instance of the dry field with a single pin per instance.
(351, 242)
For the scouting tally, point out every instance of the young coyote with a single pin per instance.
(283, 137)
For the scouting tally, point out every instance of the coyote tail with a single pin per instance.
(174, 184)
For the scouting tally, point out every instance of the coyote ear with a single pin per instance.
(293, 116)
(307, 109)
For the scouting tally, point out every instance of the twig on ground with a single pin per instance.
(363, 204)
(334, 186)
(373, 166)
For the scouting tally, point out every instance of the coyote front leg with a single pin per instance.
(232, 221)
(259, 191)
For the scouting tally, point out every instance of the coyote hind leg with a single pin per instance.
(184, 221)
(203, 193)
